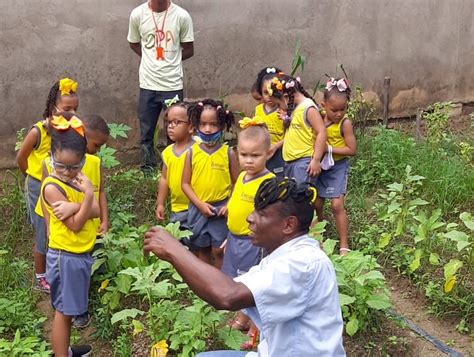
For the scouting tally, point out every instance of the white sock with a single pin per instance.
(41, 275)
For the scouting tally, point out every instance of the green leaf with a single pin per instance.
(123, 283)
(462, 245)
(373, 275)
(379, 302)
(451, 268)
(467, 220)
(232, 338)
(118, 130)
(352, 327)
(457, 236)
(346, 299)
(329, 245)
(434, 259)
(415, 264)
(418, 202)
(97, 264)
(396, 187)
(125, 314)
(384, 240)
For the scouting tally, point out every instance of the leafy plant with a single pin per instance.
(437, 117)
(24, 346)
(20, 136)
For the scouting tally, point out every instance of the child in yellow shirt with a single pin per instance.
(210, 171)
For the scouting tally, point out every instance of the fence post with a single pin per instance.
(419, 113)
(386, 89)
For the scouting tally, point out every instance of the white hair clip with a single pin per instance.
(289, 84)
(271, 70)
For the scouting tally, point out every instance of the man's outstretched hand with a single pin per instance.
(159, 242)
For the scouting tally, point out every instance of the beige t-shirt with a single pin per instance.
(166, 74)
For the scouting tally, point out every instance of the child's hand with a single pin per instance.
(223, 211)
(207, 210)
(64, 209)
(314, 168)
(83, 183)
(160, 212)
(103, 228)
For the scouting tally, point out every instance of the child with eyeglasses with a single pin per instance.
(180, 131)
(71, 240)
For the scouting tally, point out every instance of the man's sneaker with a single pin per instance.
(81, 321)
(81, 351)
(42, 285)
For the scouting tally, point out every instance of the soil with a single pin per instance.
(410, 303)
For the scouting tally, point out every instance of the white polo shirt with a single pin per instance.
(165, 74)
(297, 302)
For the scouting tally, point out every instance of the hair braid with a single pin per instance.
(51, 100)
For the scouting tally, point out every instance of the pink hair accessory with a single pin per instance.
(298, 79)
(218, 107)
(227, 112)
(200, 104)
(342, 85)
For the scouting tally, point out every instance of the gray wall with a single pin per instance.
(425, 46)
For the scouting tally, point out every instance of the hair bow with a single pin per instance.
(271, 70)
(278, 84)
(289, 84)
(247, 122)
(67, 86)
(314, 193)
(171, 101)
(61, 123)
(342, 85)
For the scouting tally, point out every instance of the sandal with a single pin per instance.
(250, 344)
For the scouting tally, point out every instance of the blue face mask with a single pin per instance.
(210, 139)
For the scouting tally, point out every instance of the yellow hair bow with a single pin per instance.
(278, 83)
(269, 89)
(61, 123)
(67, 86)
(247, 122)
(314, 191)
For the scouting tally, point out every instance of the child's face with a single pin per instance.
(335, 106)
(265, 96)
(253, 155)
(95, 139)
(178, 126)
(67, 103)
(67, 164)
(208, 123)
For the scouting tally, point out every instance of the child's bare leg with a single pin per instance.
(205, 255)
(218, 255)
(340, 217)
(40, 261)
(318, 206)
(60, 334)
(240, 322)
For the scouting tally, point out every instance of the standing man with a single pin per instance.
(161, 33)
(291, 295)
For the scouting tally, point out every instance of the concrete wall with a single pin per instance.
(425, 46)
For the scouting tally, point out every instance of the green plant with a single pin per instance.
(298, 61)
(107, 154)
(359, 111)
(24, 346)
(20, 136)
(437, 117)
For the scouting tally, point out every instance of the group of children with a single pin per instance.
(289, 135)
(210, 187)
(66, 205)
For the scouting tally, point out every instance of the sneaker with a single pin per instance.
(42, 285)
(81, 321)
(81, 351)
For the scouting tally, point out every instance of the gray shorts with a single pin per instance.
(69, 276)
(181, 217)
(32, 193)
(207, 232)
(240, 255)
(276, 164)
(332, 183)
(297, 169)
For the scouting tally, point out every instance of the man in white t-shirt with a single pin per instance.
(291, 295)
(161, 33)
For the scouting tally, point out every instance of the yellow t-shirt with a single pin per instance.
(61, 237)
(210, 179)
(335, 138)
(241, 203)
(40, 151)
(174, 172)
(273, 122)
(299, 137)
(91, 169)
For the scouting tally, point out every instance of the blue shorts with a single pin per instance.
(297, 169)
(332, 183)
(181, 217)
(207, 232)
(240, 255)
(69, 277)
(32, 193)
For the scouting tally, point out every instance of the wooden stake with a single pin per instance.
(386, 89)
(418, 124)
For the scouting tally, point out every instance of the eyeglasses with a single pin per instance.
(63, 168)
(175, 122)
